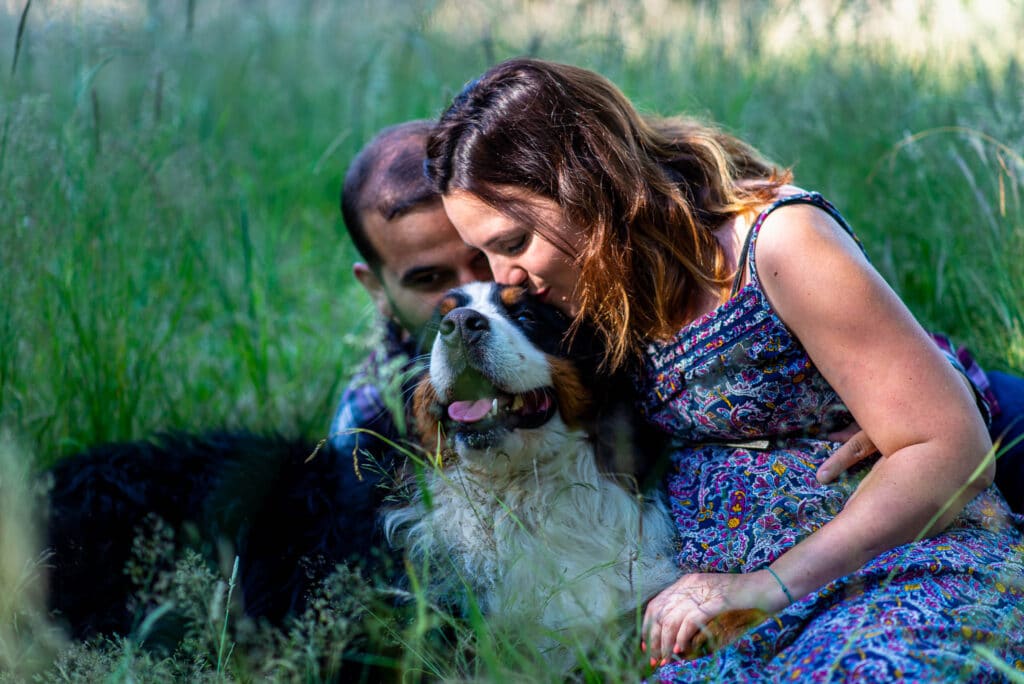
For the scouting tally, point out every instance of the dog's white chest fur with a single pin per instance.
(555, 543)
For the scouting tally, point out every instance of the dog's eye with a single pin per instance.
(525, 317)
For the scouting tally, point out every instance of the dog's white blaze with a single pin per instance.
(508, 356)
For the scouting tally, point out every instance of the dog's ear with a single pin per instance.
(426, 414)
(625, 444)
(574, 399)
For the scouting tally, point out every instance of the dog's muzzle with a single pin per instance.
(480, 406)
(464, 325)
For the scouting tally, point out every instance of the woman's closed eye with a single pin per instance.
(515, 245)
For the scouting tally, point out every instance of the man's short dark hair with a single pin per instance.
(387, 177)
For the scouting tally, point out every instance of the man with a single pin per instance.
(412, 256)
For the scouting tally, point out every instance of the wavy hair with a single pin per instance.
(646, 192)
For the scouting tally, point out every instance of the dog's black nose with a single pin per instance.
(466, 323)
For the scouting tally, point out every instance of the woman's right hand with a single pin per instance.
(856, 447)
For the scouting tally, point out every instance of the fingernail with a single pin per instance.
(654, 662)
(676, 649)
(663, 661)
(643, 647)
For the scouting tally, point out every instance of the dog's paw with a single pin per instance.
(723, 630)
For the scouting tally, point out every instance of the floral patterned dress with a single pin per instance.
(745, 406)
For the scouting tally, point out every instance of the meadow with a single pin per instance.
(172, 255)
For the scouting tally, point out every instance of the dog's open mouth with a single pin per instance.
(480, 407)
(530, 409)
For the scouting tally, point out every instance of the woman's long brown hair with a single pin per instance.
(647, 193)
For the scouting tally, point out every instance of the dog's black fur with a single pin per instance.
(289, 518)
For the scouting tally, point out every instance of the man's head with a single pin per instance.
(412, 254)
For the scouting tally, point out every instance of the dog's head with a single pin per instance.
(505, 385)
(499, 367)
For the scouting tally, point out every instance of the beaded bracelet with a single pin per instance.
(782, 584)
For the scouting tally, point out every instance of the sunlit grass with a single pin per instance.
(171, 254)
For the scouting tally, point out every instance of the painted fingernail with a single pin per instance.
(677, 649)
(643, 647)
(663, 662)
(654, 662)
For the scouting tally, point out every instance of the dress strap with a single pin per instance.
(746, 259)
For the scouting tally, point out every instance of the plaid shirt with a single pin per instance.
(965, 362)
(373, 400)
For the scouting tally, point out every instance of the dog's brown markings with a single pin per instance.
(426, 415)
(723, 630)
(574, 400)
(511, 294)
(446, 305)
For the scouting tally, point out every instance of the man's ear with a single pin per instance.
(374, 287)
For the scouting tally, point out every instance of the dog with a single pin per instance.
(522, 503)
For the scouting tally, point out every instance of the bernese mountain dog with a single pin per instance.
(524, 505)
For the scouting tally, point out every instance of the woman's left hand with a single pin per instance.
(681, 611)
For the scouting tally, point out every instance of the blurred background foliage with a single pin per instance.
(172, 255)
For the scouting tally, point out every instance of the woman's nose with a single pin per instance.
(508, 274)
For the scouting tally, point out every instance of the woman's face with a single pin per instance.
(518, 254)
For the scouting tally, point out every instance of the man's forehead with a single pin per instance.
(412, 237)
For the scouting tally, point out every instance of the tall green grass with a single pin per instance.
(171, 253)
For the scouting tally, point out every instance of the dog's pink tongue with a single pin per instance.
(469, 411)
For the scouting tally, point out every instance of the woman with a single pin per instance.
(751, 310)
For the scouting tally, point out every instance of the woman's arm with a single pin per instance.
(856, 446)
(901, 391)
(897, 384)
